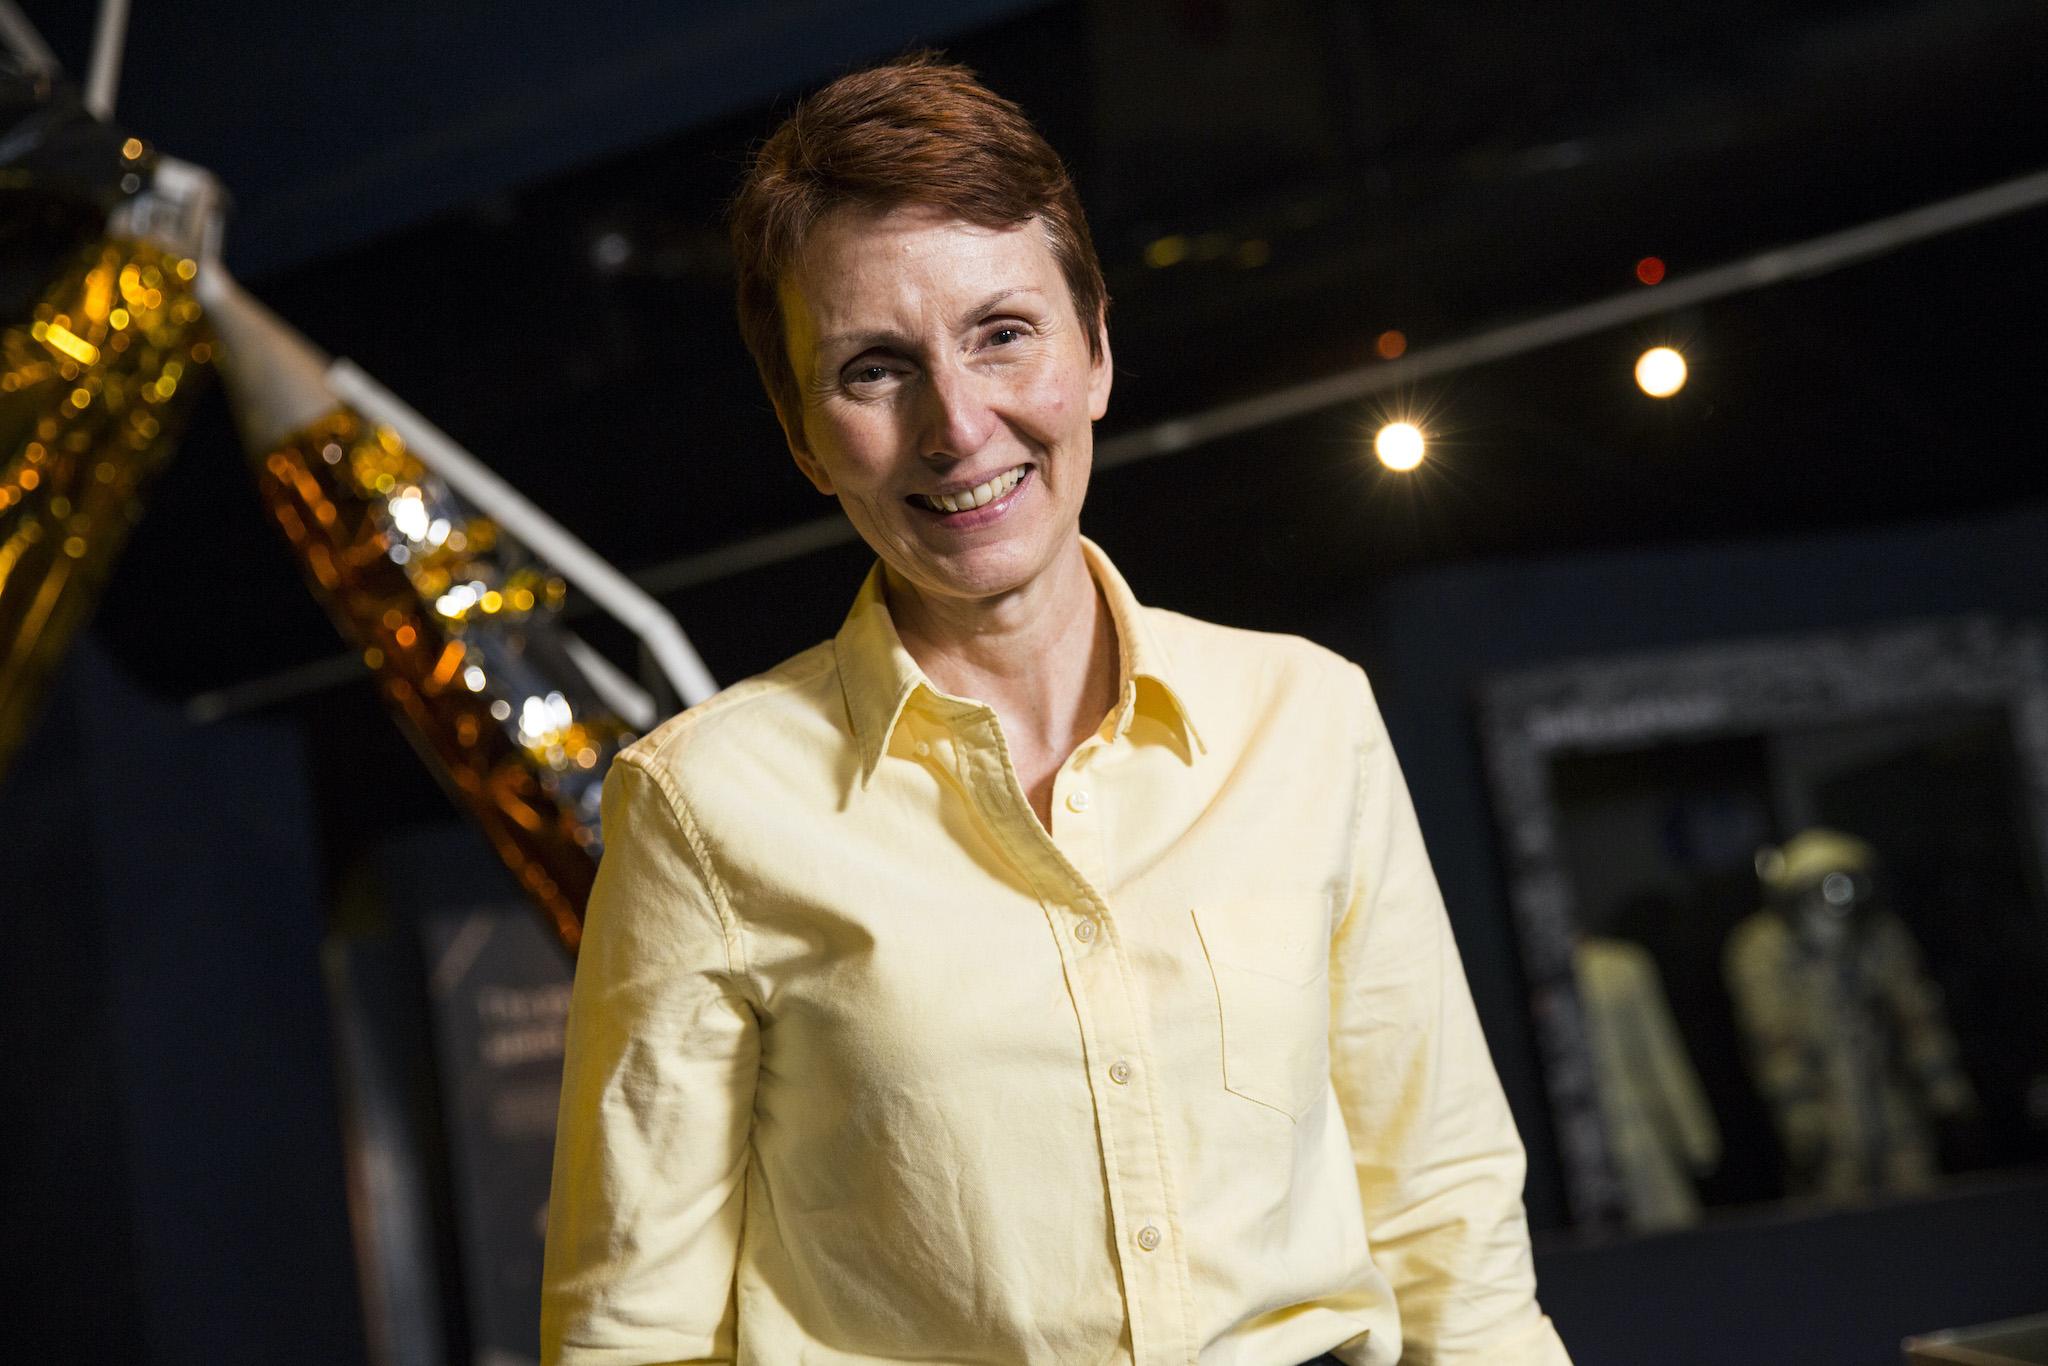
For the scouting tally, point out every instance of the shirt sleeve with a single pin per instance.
(1439, 1163)
(657, 1089)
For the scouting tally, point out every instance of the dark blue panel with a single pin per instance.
(73, 1286)
(201, 848)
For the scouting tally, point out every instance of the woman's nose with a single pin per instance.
(958, 416)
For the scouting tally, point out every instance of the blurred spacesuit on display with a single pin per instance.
(1849, 1044)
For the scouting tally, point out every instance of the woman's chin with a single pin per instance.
(978, 572)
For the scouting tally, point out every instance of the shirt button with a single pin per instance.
(1077, 801)
(1148, 1238)
(1119, 1071)
(924, 749)
(1085, 931)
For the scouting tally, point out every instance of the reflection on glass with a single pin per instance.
(1855, 1012)
(1848, 1039)
(458, 623)
(1660, 1132)
(93, 389)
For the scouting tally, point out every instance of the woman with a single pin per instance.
(1023, 975)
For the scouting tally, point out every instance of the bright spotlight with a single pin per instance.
(1399, 446)
(1660, 372)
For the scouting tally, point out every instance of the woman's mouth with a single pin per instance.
(974, 499)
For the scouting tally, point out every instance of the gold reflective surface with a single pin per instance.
(458, 622)
(93, 389)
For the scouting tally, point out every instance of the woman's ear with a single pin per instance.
(800, 450)
(1101, 371)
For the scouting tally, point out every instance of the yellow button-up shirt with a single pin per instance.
(867, 1065)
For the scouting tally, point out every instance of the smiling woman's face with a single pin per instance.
(947, 391)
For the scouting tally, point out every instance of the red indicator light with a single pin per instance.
(1650, 269)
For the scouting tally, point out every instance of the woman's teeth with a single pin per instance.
(975, 497)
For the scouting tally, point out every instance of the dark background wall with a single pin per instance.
(173, 1187)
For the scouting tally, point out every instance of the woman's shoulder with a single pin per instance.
(1211, 652)
(747, 715)
(1242, 686)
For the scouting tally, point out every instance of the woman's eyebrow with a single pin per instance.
(860, 339)
(975, 314)
(863, 338)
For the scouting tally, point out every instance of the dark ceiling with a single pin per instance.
(333, 124)
(1324, 171)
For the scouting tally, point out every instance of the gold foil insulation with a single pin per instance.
(93, 390)
(458, 623)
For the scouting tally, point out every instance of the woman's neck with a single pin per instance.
(1044, 656)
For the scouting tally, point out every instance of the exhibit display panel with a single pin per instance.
(1782, 914)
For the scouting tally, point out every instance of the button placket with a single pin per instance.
(1081, 828)
(1072, 857)
(1154, 1275)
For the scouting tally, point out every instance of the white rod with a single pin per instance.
(23, 40)
(103, 77)
(629, 701)
(205, 708)
(547, 538)
(758, 552)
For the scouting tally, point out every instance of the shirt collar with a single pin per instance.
(1147, 681)
(875, 672)
(879, 678)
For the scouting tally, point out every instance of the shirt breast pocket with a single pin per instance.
(1270, 963)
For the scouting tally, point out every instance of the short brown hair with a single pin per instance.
(920, 131)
